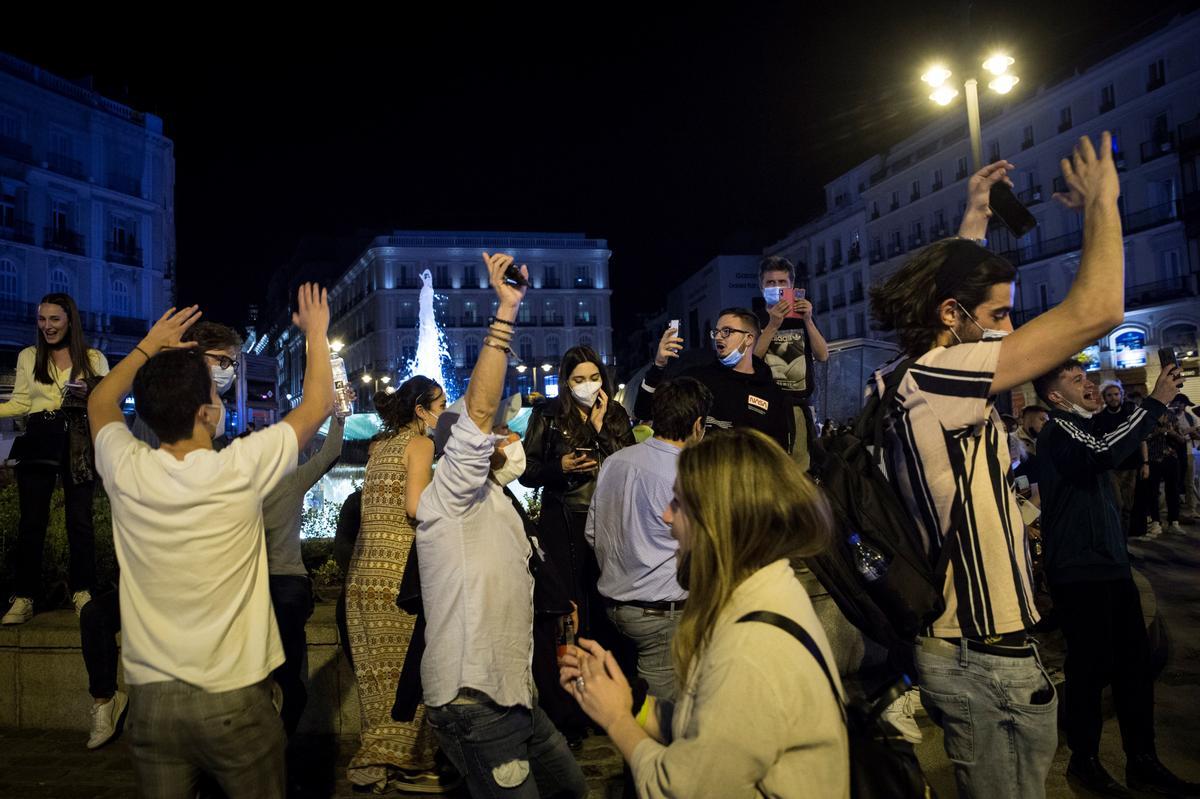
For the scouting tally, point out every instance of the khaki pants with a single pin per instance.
(1125, 488)
(800, 442)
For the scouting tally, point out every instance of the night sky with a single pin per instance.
(674, 134)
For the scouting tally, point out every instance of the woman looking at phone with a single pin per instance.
(567, 440)
(55, 444)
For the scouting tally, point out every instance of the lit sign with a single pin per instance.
(1090, 358)
(1130, 350)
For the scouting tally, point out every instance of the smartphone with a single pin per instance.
(1166, 357)
(674, 325)
(582, 451)
(793, 296)
(1009, 210)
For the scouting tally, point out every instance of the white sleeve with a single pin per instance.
(955, 382)
(460, 474)
(114, 444)
(266, 456)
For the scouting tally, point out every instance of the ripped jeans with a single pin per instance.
(507, 751)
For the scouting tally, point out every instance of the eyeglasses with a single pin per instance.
(726, 332)
(223, 361)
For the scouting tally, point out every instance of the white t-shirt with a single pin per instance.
(195, 599)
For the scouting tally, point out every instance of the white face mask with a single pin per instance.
(585, 393)
(773, 294)
(514, 464)
(1071, 407)
(987, 333)
(222, 377)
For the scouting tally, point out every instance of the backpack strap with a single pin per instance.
(800, 634)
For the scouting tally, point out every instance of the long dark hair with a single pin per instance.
(566, 409)
(398, 409)
(908, 301)
(81, 365)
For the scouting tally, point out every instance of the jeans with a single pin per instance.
(1166, 474)
(99, 623)
(496, 749)
(35, 485)
(999, 716)
(292, 599)
(179, 732)
(651, 631)
(1106, 644)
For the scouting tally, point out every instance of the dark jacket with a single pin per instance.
(546, 443)
(1081, 527)
(739, 400)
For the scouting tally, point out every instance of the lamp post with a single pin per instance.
(373, 381)
(944, 93)
(546, 367)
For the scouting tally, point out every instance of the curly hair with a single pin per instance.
(398, 409)
(908, 301)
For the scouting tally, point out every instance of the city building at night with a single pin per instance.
(376, 300)
(1147, 95)
(86, 207)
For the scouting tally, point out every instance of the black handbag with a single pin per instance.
(44, 441)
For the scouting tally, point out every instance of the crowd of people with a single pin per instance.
(661, 594)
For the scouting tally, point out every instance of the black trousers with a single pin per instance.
(1166, 474)
(35, 485)
(99, 623)
(291, 596)
(1106, 644)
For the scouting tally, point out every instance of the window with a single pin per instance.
(60, 217)
(1064, 119)
(525, 348)
(1158, 75)
(583, 313)
(895, 200)
(8, 280)
(915, 194)
(874, 209)
(937, 180)
(552, 348)
(1108, 98)
(583, 276)
(10, 125)
(1169, 268)
(960, 169)
(551, 281)
(585, 340)
(994, 150)
(472, 351)
(8, 212)
(470, 277)
(524, 315)
(1182, 336)
(1026, 138)
(60, 143)
(123, 239)
(60, 282)
(939, 223)
(120, 298)
(408, 349)
(441, 276)
(1043, 297)
(470, 311)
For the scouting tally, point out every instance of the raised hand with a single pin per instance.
(312, 310)
(779, 311)
(668, 347)
(804, 308)
(170, 327)
(1168, 384)
(509, 296)
(596, 415)
(1091, 177)
(979, 187)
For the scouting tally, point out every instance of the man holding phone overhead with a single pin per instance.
(789, 344)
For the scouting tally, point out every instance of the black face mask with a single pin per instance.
(683, 571)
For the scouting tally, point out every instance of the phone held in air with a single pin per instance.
(1009, 210)
(1167, 357)
(793, 296)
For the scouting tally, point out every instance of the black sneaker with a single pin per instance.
(1089, 773)
(1147, 773)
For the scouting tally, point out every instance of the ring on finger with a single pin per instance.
(579, 683)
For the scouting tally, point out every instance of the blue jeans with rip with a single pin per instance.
(497, 749)
(999, 716)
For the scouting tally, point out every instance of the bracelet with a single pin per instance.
(487, 342)
(492, 320)
(142, 351)
(499, 331)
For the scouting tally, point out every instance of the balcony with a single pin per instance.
(1107, 105)
(405, 322)
(1157, 147)
(821, 268)
(1151, 217)
(551, 283)
(1031, 196)
(914, 196)
(18, 231)
(838, 301)
(835, 261)
(585, 321)
(61, 239)
(1189, 133)
(122, 254)
(936, 186)
(875, 213)
(17, 311)
(857, 294)
(1156, 82)
(895, 204)
(553, 320)
(1119, 160)
(1064, 126)
(1160, 291)
(476, 321)
(1026, 144)
(876, 256)
(124, 184)
(127, 326)
(65, 165)
(916, 240)
(960, 174)
(855, 255)
(15, 148)
(894, 248)
(1138, 221)
(1059, 185)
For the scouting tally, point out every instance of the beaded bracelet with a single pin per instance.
(492, 320)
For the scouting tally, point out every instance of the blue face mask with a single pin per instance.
(733, 358)
(773, 294)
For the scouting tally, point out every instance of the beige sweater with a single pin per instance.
(757, 717)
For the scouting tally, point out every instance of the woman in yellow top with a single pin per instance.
(55, 370)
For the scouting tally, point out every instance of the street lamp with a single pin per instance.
(336, 345)
(937, 76)
(546, 367)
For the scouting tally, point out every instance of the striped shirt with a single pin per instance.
(948, 456)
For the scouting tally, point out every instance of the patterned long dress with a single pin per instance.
(379, 631)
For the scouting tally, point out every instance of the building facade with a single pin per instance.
(86, 207)
(1147, 95)
(376, 301)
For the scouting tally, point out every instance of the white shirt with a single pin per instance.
(475, 582)
(195, 600)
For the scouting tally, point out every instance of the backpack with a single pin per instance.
(882, 764)
(898, 606)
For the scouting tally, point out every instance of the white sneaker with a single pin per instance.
(1175, 528)
(107, 720)
(20, 612)
(1154, 530)
(79, 599)
(900, 714)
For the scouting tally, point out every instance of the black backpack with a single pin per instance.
(882, 764)
(898, 606)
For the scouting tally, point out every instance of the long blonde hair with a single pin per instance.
(746, 505)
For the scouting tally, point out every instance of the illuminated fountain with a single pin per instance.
(433, 357)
